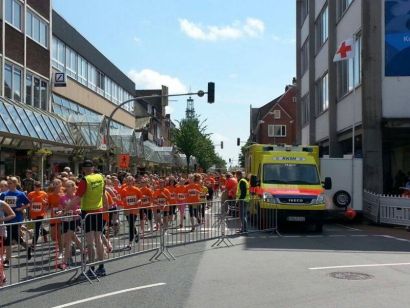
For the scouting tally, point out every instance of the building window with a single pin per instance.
(71, 62)
(276, 114)
(36, 28)
(36, 96)
(13, 12)
(36, 92)
(29, 89)
(322, 28)
(58, 54)
(82, 70)
(350, 71)
(276, 130)
(8, 78)
(304, 56)
(342, 6)
(92, 77)
(305, 107)
(108, 89)
(43, 95)
(304, 10)
(12, 82)
(322, 94)
(100, 83)
(17, 84)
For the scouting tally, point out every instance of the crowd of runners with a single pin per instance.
(95, 199)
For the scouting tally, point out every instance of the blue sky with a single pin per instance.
(247, 47)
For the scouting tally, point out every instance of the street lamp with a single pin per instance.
(211, 98)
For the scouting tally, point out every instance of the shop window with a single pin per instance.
(13, 12)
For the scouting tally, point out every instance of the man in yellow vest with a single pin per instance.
(243, 196)
(90, 193)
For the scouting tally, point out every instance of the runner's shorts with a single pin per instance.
(93, 221)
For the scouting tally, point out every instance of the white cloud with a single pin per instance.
(252, 27)
(150, 79)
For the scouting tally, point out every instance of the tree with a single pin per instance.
(241, 157)
(192, 139)
(187, 138)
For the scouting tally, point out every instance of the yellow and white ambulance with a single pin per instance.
(286, 179)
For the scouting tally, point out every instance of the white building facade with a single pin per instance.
(366, 96)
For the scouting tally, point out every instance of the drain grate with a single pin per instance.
(351, 275)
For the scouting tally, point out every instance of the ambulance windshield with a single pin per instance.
(290, 174)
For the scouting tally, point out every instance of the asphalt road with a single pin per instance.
(346, 266)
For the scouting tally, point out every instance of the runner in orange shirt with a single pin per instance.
(131, 196)
(173, 200)
(38, 210)
(146, 201)
(161, 199)
(193, 199)
(181, 192)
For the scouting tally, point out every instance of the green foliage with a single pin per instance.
(242, 154)
(192, 139)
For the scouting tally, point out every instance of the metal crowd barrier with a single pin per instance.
(32, 260)
(394, 210)
(128, 232)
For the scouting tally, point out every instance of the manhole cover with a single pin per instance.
(350, 275)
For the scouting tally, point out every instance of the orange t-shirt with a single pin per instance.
(193, 193)
(38, 201)
(54, 205)
(231, 186)
(173, 195)
(130, 197)
(181, 193)
(110, 201)
(161, 198)
(146, 199)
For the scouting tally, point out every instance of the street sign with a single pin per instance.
(59, 79)
(123, 161)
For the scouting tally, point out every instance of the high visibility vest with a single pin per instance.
(93, 197)
(238, 190)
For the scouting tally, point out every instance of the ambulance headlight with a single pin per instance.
(267, 197)
(319, 200)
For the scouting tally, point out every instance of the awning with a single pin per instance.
(150, 152)
(127, 141)
(140, 123)
(166, 154)
(26, 123)
(88, 129)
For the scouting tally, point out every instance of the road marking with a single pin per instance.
(349, 228)
(358, 265)
(109, 294)
(395, 238)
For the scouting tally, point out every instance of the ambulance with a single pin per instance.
(285, 181)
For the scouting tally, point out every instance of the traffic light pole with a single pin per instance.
(211, 98)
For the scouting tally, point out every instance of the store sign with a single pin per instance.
(397, 38)
(60, 79)
(123, 161)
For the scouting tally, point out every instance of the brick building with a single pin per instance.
(275, 122)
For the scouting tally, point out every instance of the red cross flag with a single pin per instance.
(345, 51)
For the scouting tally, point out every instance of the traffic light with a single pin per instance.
(222, 144)
(230, 160)
(238, 141)
(211, 92)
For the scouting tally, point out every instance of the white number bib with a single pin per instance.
(11, 201)
(36, 206)
(131, 200)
